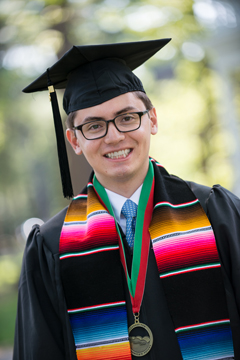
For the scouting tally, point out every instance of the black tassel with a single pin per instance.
(61, 146)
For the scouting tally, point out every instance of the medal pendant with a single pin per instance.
(140, 345)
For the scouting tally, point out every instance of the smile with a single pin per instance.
(118, 154)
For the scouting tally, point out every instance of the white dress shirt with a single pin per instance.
(117, 202)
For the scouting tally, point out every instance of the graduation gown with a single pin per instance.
(43, 330)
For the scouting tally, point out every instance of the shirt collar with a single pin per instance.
(117, 201)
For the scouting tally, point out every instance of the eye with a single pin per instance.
(94, 126)
(127, 118)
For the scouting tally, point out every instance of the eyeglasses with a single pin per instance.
(96, 129)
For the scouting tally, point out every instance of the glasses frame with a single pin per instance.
(140, 114)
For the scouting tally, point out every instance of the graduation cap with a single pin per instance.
(91, 75)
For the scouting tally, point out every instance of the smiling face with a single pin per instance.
(119, 160)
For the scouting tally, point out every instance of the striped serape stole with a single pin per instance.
(188, 264)
(189, 268)
(89, 254)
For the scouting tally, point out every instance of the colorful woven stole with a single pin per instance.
(92, 279)
(188, 264)
(190, 271)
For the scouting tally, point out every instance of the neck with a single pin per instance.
(125, 188)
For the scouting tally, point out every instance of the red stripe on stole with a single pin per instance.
(184, 251)
(84, 237)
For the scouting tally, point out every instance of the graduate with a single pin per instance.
(141, 264)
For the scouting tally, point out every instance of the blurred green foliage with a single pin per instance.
(8, 310)
(9, 270)
(10, 265)
(33, 34)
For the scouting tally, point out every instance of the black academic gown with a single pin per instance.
(43, 329)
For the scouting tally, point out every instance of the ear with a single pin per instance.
(153, 120)
(73, 140)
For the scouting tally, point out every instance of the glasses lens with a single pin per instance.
(127, 122)
(94, 129)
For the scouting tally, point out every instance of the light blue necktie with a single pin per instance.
(129, 210)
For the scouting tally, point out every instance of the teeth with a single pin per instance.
(117, 154)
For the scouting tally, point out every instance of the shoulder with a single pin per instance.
(221, 195)
(50, 231)
(41, 247)
(216, 196)
(202, 192)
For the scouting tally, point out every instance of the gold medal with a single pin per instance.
(140, 346)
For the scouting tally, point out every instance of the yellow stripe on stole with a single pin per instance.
(120, 351)
(178, 219)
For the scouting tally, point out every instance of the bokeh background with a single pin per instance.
(194, 83)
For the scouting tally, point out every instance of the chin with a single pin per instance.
(123, 175)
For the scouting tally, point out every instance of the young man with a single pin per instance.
(142, 263)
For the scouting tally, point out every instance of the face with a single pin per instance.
(118, 158)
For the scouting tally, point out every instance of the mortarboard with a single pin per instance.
(91, 75)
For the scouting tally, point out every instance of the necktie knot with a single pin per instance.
(129, 210)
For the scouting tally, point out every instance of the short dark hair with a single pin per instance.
(139, 94)
(144, 98)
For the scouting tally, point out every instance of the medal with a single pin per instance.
(136, 284)
(140, 345)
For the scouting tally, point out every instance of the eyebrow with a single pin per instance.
(126, 109)
(119, 112)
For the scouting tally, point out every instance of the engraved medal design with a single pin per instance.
(140, 345)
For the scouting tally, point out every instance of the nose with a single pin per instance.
(113, 135)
